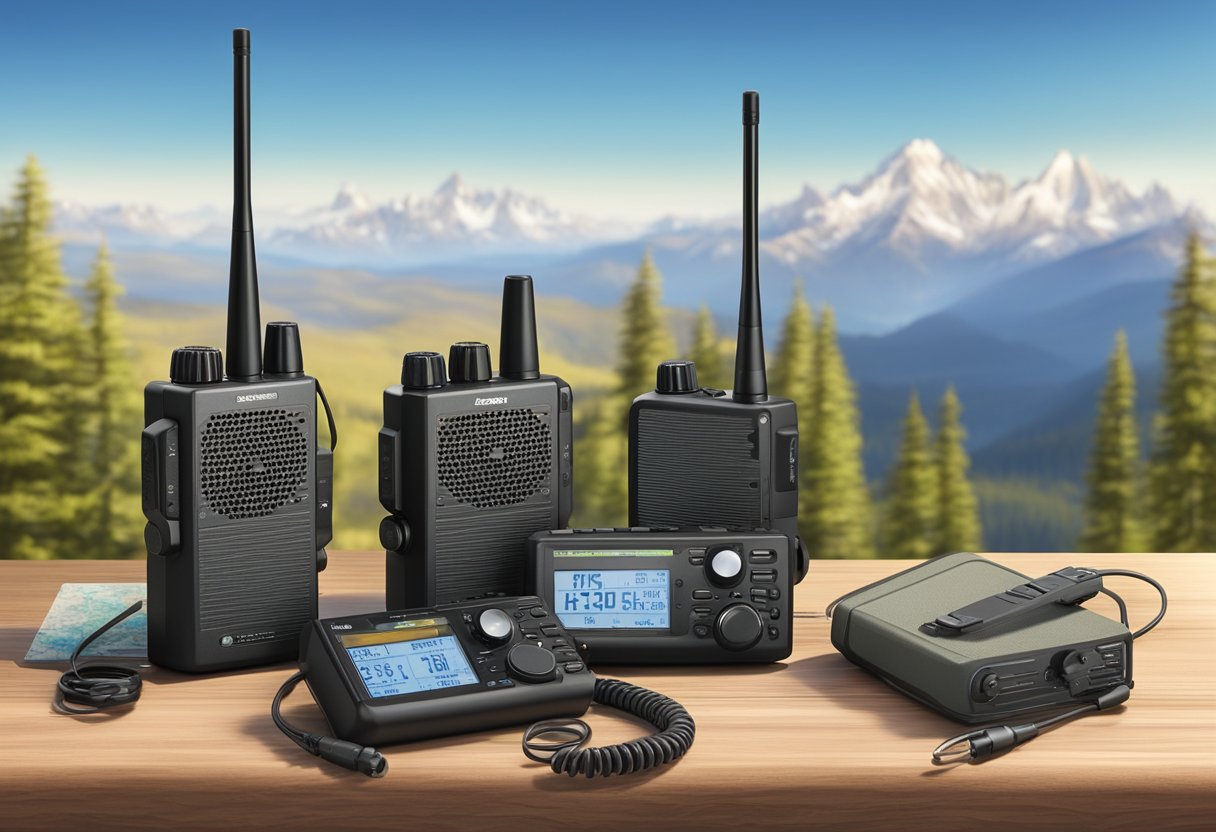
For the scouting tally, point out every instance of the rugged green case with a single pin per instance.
(879, 628)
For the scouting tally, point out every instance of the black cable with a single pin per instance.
(1127, 573)
(676, 733)
(346, 754)
(98, 686)
(329, 417)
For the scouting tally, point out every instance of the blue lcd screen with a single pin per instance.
(414, 665)
(613, 599)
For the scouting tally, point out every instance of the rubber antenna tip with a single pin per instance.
(751, 107)
(240, 38)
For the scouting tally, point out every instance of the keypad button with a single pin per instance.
(773, 632)
(549, 629)
(774, 593)
(702, 612)
(573, 667)
(764, 576)
(762, 556)
(701, 630)
(702, 595)
(774, 613)
(538, 612)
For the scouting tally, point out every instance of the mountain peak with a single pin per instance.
(923, 151)
(454, 185)
(349, 197)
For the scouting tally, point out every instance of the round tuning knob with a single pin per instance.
(423, 370)
(676, 377)
(738, 627)
(724, 566)
(394, 534)
(196, 365)
(493, 626)
(531, 664)
(469, 361)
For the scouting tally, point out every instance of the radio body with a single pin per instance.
(238, 498)
(406, 675)
(1034, 656)
(471, 466)
(691, 596)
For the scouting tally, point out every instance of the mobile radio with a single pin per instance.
(652, 596)
(397, 676)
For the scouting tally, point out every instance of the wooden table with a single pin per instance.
(811, 743)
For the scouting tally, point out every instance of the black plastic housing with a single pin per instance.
(697, 602)
(238, 505)
(704, 459)
(472, 470)
(356, 716)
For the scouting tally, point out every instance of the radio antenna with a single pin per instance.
(244, 324)
(751, 381)
(518, 357)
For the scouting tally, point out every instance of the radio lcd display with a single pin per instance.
(414, 657)
(606, 599)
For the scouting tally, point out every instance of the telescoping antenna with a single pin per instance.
(751, 381)
(244, 324)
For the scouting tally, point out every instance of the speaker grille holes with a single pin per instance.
(253, 461)
(494, 458)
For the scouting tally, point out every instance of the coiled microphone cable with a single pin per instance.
(676, 733)
(96, 687)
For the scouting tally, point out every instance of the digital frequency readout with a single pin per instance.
(412, 666)
(604, 599)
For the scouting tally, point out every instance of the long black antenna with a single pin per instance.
(517, 354)
(751, 381)
(244, 319)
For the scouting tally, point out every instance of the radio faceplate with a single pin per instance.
(404, 675)
(668, 596)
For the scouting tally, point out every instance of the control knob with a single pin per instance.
(724, 566)
(394, 534)
(738, 627)
(531, 664)
(493, 626)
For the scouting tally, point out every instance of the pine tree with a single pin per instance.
(645, 340)
(909, 526)
(958, 516)
(114, 521)
(600, 468)
(1111, 522)
(838, 523)
(791, 373)
(706, 352)
(39, 327)
(1182, 489)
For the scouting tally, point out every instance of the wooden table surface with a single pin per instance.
(810, 743)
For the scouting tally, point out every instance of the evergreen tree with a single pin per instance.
(838, 523)
(1182, 494)
(39, 327)
(645, 340)
(792, 369)
(909, 527)
(1111, 522)
(600, 469)
(958, 515)
(706, 353)
(114, 520)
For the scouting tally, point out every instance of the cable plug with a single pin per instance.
(1000, 738)
(350, 755)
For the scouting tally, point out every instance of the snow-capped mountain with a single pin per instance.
(455, 220)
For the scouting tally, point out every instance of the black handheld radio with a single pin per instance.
(702, 457)
(237, 494)
(472, 464)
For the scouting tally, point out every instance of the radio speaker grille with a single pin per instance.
(251, 462)
(494, 458)
(697, 469)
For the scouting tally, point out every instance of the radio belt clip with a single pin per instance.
(1069, 586)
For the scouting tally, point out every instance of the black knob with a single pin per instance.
(423, 370)
(724, 566)
(196, 365)
(987, 689)
(493, 626)
(676, 377)
(469, 361)
(738, 627)
(531, 664)
(282, 355)
(155, 541)
(394, 534)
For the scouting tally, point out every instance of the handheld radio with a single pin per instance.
(699, 456)
(651, 596)
(235, 490)
(472, 464)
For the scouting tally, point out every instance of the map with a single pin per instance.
(78, 610)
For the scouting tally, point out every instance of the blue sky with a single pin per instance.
(620, 109)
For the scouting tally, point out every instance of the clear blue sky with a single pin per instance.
(620, 109)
